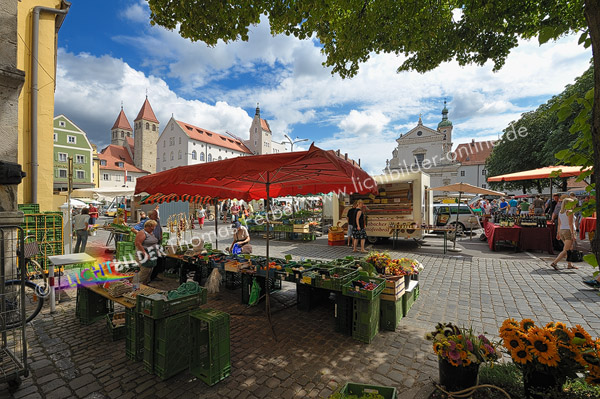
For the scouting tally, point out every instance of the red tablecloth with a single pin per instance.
(536, 238)
(495, 233)
(585, 226)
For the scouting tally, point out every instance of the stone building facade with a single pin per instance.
(261, 137)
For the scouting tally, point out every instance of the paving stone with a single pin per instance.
(60, 393)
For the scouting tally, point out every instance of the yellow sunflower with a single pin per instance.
(508, 326)
(550, 362)
(526, 324)
(542, 344)
(560, 326)
(512, 341)
(580, 333)
(521, 355)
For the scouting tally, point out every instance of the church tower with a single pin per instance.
(445, 127)
(260, 135)
(146, 128)
(121, 130)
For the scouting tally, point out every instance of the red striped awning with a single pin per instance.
(160, 198)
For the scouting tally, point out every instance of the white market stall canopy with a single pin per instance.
(102, 193)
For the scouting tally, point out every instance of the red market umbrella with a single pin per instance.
(255, 177)
(263, 176)
(539, 173)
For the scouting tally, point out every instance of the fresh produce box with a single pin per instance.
(364, 288)
(334, 278)
(361, 391)
(394, 288)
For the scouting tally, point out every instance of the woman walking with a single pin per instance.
(565, 231)
(358, 231)
(201, 215)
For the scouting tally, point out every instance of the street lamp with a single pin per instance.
(292, 142)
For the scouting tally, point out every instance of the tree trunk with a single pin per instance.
(592, 15)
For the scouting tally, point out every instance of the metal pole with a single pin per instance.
(69, 215)
(52, 288)
(216, 223)
(456, 226)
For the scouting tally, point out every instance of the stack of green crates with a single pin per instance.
(210, 358)
(166, 345)
(29, 208)
(344, 311)
(90, 306)
(125, 251)
(410, 296)
(134, 341)
(365, 319)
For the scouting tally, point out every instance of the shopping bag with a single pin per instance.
(236, 250)
(254, 293)
(574, 255)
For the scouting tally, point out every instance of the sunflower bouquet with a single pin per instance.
(554, 349)
(404, 267)
(460, 346)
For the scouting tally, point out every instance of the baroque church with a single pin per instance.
(428, 150)
(132, 152)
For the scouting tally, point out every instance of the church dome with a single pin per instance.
(445, 122)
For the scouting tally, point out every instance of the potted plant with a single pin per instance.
(460, 353)
(549, 355)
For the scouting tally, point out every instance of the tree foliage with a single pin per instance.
(533, 140)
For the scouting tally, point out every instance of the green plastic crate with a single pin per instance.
(365, 319)
(351, 388)
(343, 313)
(390, 314)
(209, 340)
(409, 298)
(115, 332)
(29, 208)
(332, 283)
(134, 340)
(90, 307)
(348, 289)
(171, 345)
(149, 330)
(160, 308)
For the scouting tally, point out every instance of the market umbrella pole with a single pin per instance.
(456, 225)
(216, 223)
(267, 280)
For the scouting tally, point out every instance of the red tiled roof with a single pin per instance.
(265, 125)
(118, 153)
(122, 122)
(146, 113)
(130, 142)
(474, 153)
(213, 138)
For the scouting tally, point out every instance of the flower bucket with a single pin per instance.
(539, 383)
(406, 280)
(457, 378)
(414, 277)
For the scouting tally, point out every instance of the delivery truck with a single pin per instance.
(401, 209)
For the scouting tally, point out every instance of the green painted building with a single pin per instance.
(71, 141)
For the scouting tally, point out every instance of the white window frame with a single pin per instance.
(55, 138)
(462, 173)
(66, 157)
(105, 177)
(78, 156)
(78, 172)
(69, 137)
(129, 178)
(62, 123)
(194, 155)
(483, 172)
(118, 177)
(66, 176)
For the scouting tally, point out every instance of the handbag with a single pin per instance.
(573, 255)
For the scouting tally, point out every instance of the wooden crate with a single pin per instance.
(301, 228)
(394, 288)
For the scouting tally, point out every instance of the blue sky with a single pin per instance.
(109, 53)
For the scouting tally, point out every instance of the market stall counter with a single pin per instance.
(586, 225)
(522, 238)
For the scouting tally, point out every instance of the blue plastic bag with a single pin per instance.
(236, 250)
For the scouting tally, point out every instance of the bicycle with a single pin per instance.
(35, 285)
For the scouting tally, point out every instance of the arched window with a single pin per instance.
(202, 156)
(153, 127)
(209, 158)
(164, 157)
(179, 155)
(194, 155)
(147, 125)
(172, 156)
(220, 159)
(122, 134)
(114, 135)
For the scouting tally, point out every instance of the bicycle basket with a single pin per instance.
(31, 249)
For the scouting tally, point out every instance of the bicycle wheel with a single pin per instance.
(37, 275)
(12, 297)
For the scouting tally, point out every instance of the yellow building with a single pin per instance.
(38, 25)
(95, 167)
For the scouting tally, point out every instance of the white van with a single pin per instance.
(445, 214)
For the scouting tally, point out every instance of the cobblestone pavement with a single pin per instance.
(308, 359)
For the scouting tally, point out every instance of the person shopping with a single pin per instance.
(201, 213)
(358, 231)
(241, 238)
(351, 220)
(93, 214)
(80, 225)
(145, 241)
(565, 231)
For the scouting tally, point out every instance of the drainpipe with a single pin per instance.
(62, 13)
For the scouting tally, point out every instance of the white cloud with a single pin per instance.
(138, 12)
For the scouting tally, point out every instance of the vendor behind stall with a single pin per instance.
(144, 241)
(241, 238)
